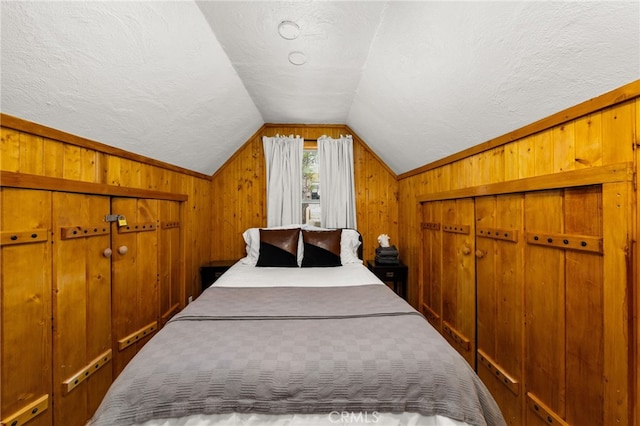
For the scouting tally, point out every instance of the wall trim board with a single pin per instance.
(621, 172)
(614, 97)
(29, 181)
(335, 125)
(26, 126)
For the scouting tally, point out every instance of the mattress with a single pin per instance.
(298, 346)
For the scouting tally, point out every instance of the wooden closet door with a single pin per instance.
(500, 321)
(577, 310)
(134, 277)
(545, 308)
(25, 307)
(459, 276)
(81, 308)
(431, 266)
(171, 286)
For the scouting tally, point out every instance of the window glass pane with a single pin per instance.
(310, 188)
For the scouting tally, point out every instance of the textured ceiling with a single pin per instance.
(188, 82)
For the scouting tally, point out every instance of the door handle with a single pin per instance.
(123, 250)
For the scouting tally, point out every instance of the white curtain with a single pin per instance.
(337, 192)
(283, 156)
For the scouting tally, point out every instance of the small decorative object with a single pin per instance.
(383, 240)
(386, 254)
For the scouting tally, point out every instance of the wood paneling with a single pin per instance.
(60, 182)
(169, 260)
(135, 276)
(82, 305)
(25, 304)
(500, 300)
(239, 190)
(600, 134)
(545, 301)
(45, 158)
(431, 264)
(578, 170)
(613, 98)
(459, 276)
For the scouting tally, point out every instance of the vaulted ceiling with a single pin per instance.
(189, 82)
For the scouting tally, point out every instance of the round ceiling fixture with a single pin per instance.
(297, 58)
(288, 30)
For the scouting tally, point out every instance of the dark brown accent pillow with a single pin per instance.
(321, 248)
(279, 247)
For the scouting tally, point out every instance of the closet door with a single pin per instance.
(135, 277)
(81, 305)
(25, 307)
(577, 307)
(459, 276)
(500, 304)
(171, 292)
(431, 272)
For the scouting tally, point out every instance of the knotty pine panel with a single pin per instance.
(585, 306)
(458, 285)
(135, 276)
(601, 132)
(618, 132)
(618, 201)
(81, 306)
(500, 323)
(239, 192)
(55, 154)
(635, 218)
(25, 303)
(545, 302)
(431, 264)
(169, 260)
(588, 141)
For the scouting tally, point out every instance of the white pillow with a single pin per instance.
(252, 239)
(349, 243)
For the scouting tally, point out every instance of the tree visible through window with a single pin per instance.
(310, 187)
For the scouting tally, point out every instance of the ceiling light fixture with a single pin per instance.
(288, 30)
(297, 58)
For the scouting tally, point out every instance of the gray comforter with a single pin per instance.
(297, 350)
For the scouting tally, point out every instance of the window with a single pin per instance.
(310, 185)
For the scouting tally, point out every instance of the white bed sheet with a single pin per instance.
(336, 418)
(242, 275)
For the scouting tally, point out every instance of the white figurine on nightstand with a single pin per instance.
(383, 240)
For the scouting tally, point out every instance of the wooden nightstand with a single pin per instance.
(396, 274)
(211, 271)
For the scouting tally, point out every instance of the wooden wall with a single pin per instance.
(36, 156)
(602, 131)
(239, 191)
(591, 143)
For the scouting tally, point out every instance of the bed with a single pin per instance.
(280, 340)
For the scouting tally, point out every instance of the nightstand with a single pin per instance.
(396, 274)
(211, 271)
